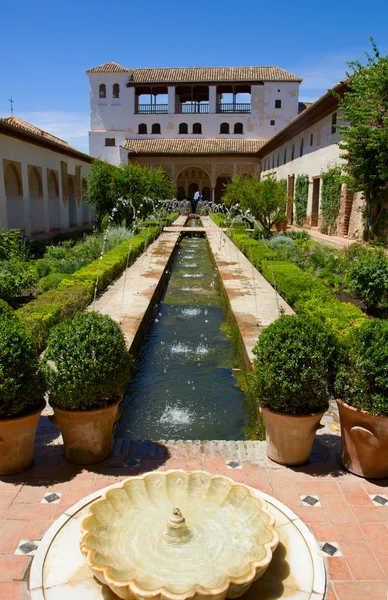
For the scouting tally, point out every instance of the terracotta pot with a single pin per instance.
(283, 225)
(290, 438)
(364, 442)
(87, 434)
(17, 437)
(278, 226)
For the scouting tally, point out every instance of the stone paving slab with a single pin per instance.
(327, 240)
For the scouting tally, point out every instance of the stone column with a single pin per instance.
(171, 100)
(3, 200)
(46, 200)
(212, 99)
(131, 100)
(64, 211)
(26, 199)
(77, 193)
(213, 193)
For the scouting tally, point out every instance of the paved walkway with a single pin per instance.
(327, 240)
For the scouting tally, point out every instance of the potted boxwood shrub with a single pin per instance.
(87, 367)
(281, 222)
(362, 388)
(292, 378)
(21, 396)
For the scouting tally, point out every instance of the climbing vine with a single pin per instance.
(283, 184)
(330, 200)
(301, 196)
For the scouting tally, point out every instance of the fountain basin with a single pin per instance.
(232, 537)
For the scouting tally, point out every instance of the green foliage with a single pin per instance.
(263, 199)
(294, 366)
(330, 200)
(256, 252)
(21, 383)
(107, 183)
(52, 281)
(86, 364)
(6, 311)
(365, 131)
(16, 276)
(368, 279)
(301, 197)
(13, 244)
(362, 379)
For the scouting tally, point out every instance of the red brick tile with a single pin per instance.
(75, 486)
(338, 569)
(66, 501)
(13, 590)
(361, 561)
(11, 534)
(375, 488)
(310, 514)
(377, 536)
(330, 593)
(31, 494)
(103, 482)
(213, 465)
(13, 567)
(35, 530)
(383, 562)
(31, 512)
(340, 532)
(235, 474)
(361, 590)
(318, 488)
(355, 493)
(371, 514)
(337, 510)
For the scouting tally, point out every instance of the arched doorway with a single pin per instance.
(222, 180)
(14, 196)
(191, 180)
(181, 194)
(54, 202)
(206, 195)
(193, 187)
(72, 203)
(36, 200)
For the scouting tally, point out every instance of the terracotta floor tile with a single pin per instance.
(361, 561)
(376, 487)
(209, 464)
(66, 501)
(13, 567)
(11, 534)
(31, 512)
(31, 494)
(235, 474)
(383, 562)
(75, 486)
(371, 514)
(13, 590)
(377, 536)
(330, 593)
(339, 532)
(355, 493)
(337, 510)
(361, 590)
(338, 569)
(310, 514)
(318, 488)
(35, 530)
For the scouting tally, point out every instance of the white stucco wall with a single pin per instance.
(34, 213)
(317, 158)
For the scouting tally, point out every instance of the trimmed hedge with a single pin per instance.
(75, 293)
(253, 250)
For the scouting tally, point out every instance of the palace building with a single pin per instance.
(202, 125)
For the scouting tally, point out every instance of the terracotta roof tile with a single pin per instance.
(193, 146)
(199, 74)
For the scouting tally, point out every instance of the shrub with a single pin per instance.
(21, 383)
(6, 310)
(362, 379)
(280, 240)
(294, 366)
(16, 276)
(51, 282)
(368, 279)
(86, 364)
(13, 244)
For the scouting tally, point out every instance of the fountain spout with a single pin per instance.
(177, 530)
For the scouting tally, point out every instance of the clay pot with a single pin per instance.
(87, 434)
(290, 438)
(17, 437)
(283, 225)
(364, 442)
(278, 226)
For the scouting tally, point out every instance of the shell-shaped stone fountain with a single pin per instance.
(175, 536)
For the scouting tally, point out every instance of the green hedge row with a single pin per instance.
(304, 293)
(76, 292)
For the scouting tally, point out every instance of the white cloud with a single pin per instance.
(72, 127)
(320, 75)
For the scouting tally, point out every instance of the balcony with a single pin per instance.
(244, 108)
(191, 108)
(152, 109)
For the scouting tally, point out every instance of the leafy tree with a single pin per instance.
(263, 199)
(365, 132)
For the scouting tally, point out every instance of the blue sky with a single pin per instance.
(46, 46)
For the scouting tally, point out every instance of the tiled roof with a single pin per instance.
(199, 74)
(110, 67)
(193, 146)
(15, 124)
(303, 105)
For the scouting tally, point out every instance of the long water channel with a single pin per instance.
(183, 385)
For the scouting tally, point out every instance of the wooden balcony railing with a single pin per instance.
(234, 108)
(191, 108)
(152, 109)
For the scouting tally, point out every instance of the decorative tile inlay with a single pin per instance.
(132, 462)
(379, 499)
(51, 498)
(330, 549)
(26, 548)
(310, 500)
(233, 464)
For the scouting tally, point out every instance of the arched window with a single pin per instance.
(102, 91)
(224, 128)
(116, 90)
(197, 128)
(155, 128)
(183, 128)
(238, 128)
(142, 128)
